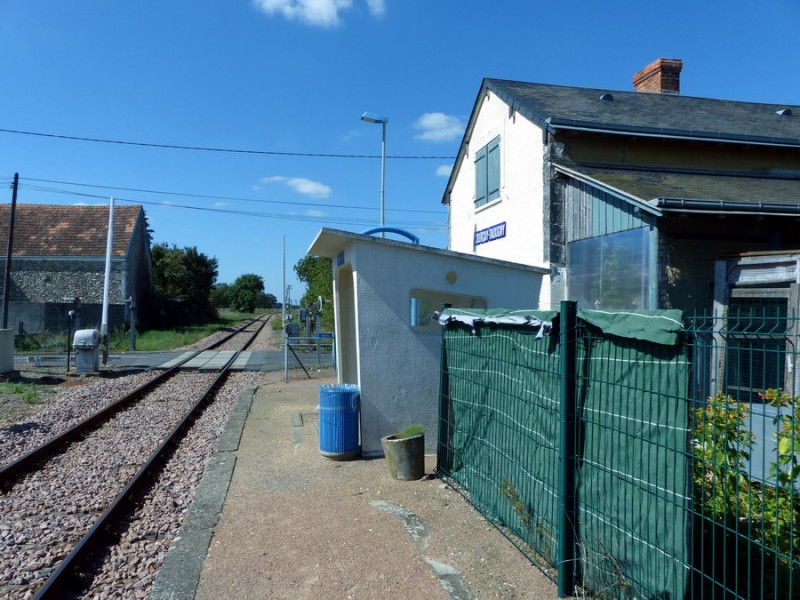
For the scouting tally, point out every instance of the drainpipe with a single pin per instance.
(714, 206)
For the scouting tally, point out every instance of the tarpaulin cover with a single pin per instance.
(658, 326)
(499, 438)
(498, 435)
(541, 321)
(632, 485)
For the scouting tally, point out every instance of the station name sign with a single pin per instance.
(490, 234)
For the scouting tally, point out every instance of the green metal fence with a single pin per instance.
(611, 448)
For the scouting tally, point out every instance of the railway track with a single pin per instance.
(64, 503)
(72, 424)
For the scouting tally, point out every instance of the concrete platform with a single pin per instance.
(273, 519)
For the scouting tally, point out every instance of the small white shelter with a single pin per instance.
(385, 293)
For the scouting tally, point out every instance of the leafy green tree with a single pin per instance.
(183, 279)
(242, 295)
(269, 301)
(317, 273)
(220, 295)
(247, 293)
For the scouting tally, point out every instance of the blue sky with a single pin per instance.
(285, 79)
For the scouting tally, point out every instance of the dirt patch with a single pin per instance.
(23, 395)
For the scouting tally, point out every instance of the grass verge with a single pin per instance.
(147, 341)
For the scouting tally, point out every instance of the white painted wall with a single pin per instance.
(521, 204)
(398, 368)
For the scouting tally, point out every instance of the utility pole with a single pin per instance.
(107, 280)
(283, 285)
(7, 278)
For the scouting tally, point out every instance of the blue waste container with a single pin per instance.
(338, 421)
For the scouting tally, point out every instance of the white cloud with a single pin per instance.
(377, 7)
(318, 13)
(316, 213)
(220, 204)
(444, 170)
(301, 185)
(351, 135)
(439, 127)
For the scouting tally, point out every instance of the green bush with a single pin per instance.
(758, 523)
(44, 341)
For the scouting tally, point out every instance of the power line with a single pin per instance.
(278, 216)
(232, 198)
(211, 149)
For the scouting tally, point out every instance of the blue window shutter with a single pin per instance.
(493, 169)
(480, 177)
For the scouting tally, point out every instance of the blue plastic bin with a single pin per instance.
(338, 421)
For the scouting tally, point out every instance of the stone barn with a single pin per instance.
(58, 264)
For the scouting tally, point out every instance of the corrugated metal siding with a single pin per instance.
(591, 212)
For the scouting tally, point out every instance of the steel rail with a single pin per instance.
(66, 577)
(26, 462)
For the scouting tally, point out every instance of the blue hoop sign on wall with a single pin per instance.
(490, 234)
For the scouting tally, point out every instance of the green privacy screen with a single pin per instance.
(500, 435)
(499, 424)
(633, 491)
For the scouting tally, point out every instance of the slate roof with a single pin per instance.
(64, 231)
(677, 190)
(557, 107)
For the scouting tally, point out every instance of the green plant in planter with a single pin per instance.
(405, 453)
(412, 430)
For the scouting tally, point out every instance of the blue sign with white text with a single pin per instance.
(490, 234)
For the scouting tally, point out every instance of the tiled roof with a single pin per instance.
(56, 230)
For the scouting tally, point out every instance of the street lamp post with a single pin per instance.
(373, 118)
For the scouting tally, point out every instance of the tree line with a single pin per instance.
(187, 292)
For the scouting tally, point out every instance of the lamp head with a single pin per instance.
(374, 118)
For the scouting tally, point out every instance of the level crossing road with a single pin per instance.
(257, 360)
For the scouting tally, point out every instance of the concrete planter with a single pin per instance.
(405, 456)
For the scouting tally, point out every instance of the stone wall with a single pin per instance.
(42, 293)
(42, 280)
(33, 317)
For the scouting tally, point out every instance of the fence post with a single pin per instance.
(444, 447)
(285, 355)
(566, 481)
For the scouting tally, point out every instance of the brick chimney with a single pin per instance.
(662, 76)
